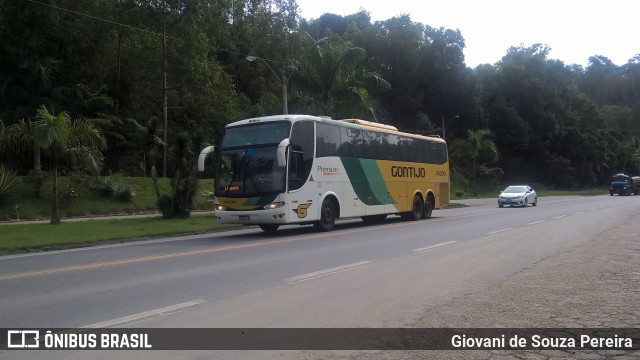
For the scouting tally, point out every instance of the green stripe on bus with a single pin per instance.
(371, 188)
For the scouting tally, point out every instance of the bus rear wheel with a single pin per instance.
(416, 212)
(428, 209)
(327, 216)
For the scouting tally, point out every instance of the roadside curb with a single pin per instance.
(97, 217)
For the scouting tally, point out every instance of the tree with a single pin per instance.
(8, 182)
(476, 147)
(79, 141)
(335, 82)
(105, 59)
(3, 129)
(184, 182)
(20, 136)
(394, 48)
(635, 147)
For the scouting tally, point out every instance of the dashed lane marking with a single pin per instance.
(536, 222)
(325, 272)
(433, 246)
(143, 315)
(498, 231)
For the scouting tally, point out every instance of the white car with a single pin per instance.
(520, 195)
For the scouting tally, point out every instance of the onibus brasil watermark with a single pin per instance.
(32, 339)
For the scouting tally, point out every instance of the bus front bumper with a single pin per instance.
(252, 217)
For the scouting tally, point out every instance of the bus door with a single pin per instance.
(302, 189)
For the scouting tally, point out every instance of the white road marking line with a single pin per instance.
(433, 246)
(498, 231)
(578, 213)
(559, 216)
(321, 273)
(142, 315)
(536, 222)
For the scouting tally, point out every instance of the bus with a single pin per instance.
(302, 169)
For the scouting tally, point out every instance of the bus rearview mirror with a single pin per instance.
(203, 155)
(282, 152)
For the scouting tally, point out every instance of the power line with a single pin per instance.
(98, 18)
(133, 27)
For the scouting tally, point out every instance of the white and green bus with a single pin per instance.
(300, 169)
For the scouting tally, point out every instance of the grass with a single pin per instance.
(71, 233)
(88, 202)
(492, 190)
(22, 204)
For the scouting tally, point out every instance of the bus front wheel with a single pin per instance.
(327, 216)
(269, 228)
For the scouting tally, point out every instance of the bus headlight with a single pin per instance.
(274, 205)
(218, 207)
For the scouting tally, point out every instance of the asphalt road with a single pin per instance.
(355, 276)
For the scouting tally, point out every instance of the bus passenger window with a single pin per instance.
(328, 138)
(350, 142)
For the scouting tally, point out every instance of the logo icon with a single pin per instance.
(302, 210)
(23, 339)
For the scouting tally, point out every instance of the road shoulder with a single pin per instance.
(594, 285)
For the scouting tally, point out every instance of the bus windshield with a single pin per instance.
(621, 179)
(248, 165)
(255, 134)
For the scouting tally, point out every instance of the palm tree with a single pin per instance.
(480, 142)
(335, 82)
(8, 178)
(79, 141)
(19, 136)
(477, 145)
(3, 129)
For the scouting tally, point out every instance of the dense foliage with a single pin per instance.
(107, 61)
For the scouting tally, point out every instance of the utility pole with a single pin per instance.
(284, 80)
(164, 90)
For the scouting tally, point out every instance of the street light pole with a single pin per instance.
(284, 78)
(283, 83)
(443, 127)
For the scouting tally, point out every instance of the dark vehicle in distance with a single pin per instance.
(623, 184)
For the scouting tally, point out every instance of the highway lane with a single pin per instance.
(94, 285)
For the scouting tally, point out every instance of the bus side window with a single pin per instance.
(328, 138)
(373, 145)
(301, 153)
(350, 142)
(392, 149)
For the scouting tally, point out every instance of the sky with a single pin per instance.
(573, 29)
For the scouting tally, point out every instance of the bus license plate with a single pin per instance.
(245, 217)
